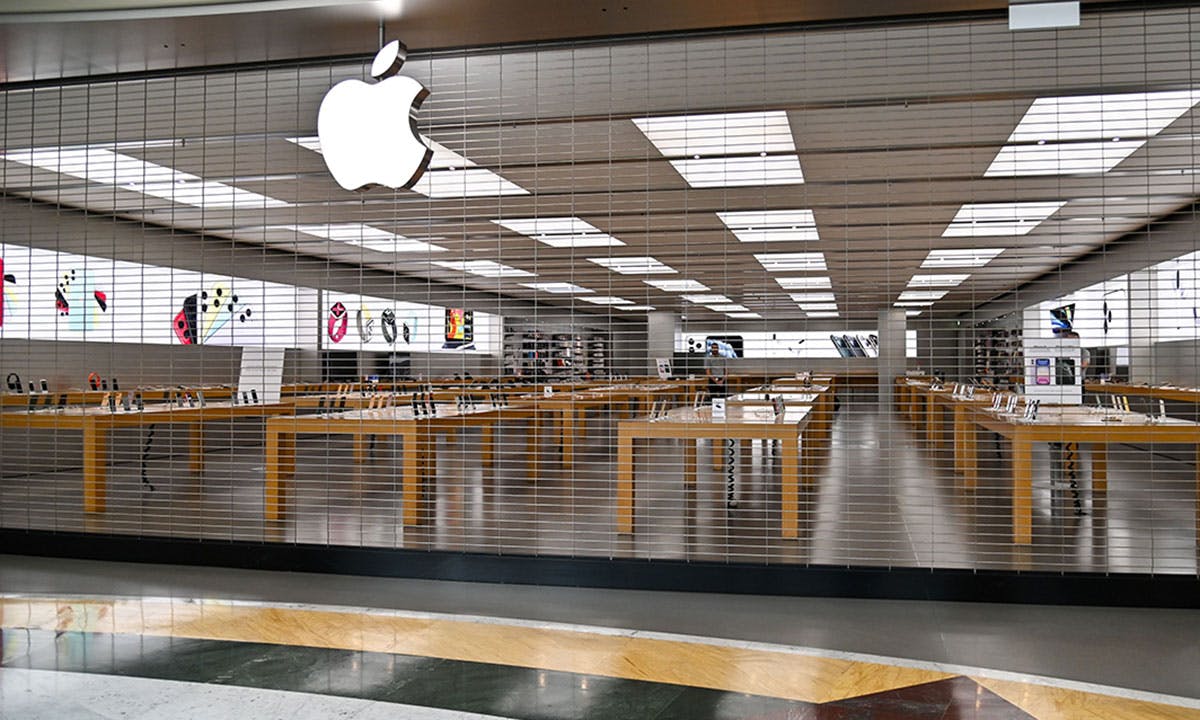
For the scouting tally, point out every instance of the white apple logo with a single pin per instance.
(368, 132)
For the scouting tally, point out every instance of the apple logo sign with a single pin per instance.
(368, 132)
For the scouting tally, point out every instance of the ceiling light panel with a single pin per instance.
(106, 167)
(908, 295)
(818, 307)
(449, 174)
(1102, 117)
(813, 297)
(728, 308)
(772, 225)
(560, 232)
(815, 282)
(997, 219)
(605, 300)
(1086, 134)
(821, 314)
(923, 281)
(643, 308)
(365, 236)
(706, 299)
(677, 285)
(634, 265)
(791, 262)
(912, 303)
(740, 171)
(1060, 158)
(959, 258)
(744, 315)
(557, 288)
(483, 268)
(719, 134)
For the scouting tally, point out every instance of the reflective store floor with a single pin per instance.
(102, 640)
(884, 495)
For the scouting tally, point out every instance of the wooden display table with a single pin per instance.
(1162, 392)
(96, 423)
(741, 423)
(93, 397)
(418, 434)
(1071, 424)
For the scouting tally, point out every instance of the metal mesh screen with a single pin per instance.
(917, 294)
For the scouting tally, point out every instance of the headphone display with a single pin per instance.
(94, 380)
(14, 382)
(388, 322)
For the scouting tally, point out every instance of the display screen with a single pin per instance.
(460, 327)
(1062, 319)
(728, 346)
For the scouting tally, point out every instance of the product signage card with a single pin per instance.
(718, 408)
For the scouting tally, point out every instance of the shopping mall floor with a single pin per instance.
(92, 640)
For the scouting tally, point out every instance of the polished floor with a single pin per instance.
(885, 496)
(177, 650)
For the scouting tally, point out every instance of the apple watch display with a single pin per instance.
(245, 398)
(103, 384)
(141, 405)
(337, 322)
(45, 386)
(365, 323)
(32, 402)
(254, 395)
(115, 386)
(127, 401)
(62, 400)
(387, 322)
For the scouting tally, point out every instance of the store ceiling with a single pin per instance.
(894, 126)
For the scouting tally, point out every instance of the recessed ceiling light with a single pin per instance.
(605, 300)
(644, 308)
(821, 314)
(728, 308)
(560, 232)
(1087, 133)
(558, 288)
(107, 167)
(740, 171)
(677, 285)
(912, 303)
(818, 307)
(791, 262)
(364, 236)
(1075, 158)
(744, 315)
(727, 149)
(816, 282)
(1096, 117)
(994, 219)
(450, 175)
(965, 257)
(633, 265)
(719, 133)
(772, 225)
(706, 299)
(919, 281)
(813, 297)
(483, 268)
(472, 182)
(913, 313)
(922, 295)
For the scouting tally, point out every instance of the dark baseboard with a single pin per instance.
(1136, 590)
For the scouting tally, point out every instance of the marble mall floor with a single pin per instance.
(83, 639)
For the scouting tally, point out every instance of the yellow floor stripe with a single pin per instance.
(1051, 703)
(791, 675)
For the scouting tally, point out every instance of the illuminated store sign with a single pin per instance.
(364, 137)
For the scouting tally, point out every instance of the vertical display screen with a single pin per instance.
(460, 326)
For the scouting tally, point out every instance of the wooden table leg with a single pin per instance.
(718, 454)
(196, 447)
(1099, 470)
(280, 463)
(95, 467)
(1022, 490)
(933, 422)
(970, 460)
(568, 436)
(624, 482)
(414, 467)
(689, 461)
(1198, 495)
(789, 483)
(532, 444)
(487, 445)
(361, 441)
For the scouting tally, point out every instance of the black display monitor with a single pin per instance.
(1062, 319)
